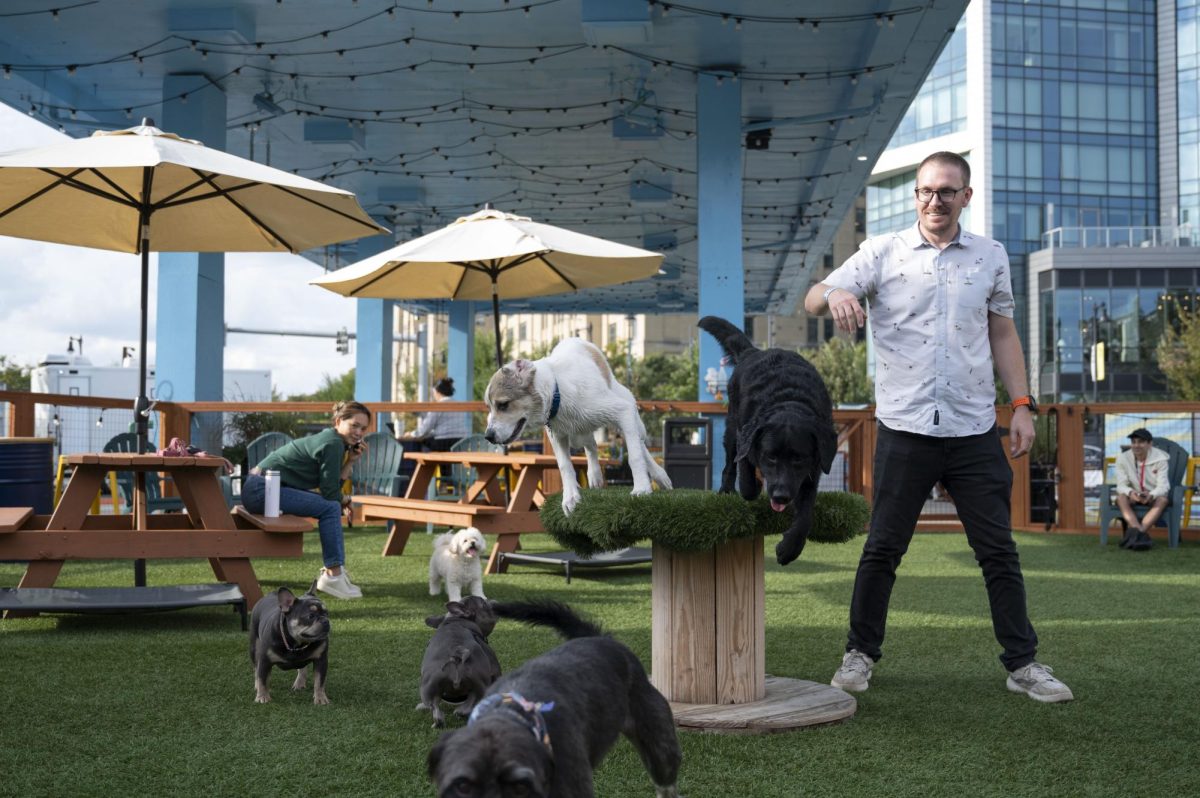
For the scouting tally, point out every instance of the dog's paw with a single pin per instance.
(788, 550)
(320, 699)
(646, 491)
(421, 705)
(262, 698)
(569, 503)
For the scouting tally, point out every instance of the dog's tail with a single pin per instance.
(554, 614)
(732, 340)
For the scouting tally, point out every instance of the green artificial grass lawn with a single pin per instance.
(162, 704)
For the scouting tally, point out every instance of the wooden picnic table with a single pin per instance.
(482, 504)
(206, 529)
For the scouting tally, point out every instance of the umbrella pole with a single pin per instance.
(505, 478)
(496, 321)
(141, 407)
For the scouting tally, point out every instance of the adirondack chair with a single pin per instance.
(258, 449)
(126, 442)
(256, 452)
(378, 471)
(1172, 517)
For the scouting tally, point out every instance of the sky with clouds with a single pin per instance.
(50, 292)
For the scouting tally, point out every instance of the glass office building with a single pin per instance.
(1081, 120)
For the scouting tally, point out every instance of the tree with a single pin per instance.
(843, 366)
(332, 389)
(1179, 356)
(12, 376)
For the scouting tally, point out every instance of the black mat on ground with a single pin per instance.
(569, 560)
(112, 600)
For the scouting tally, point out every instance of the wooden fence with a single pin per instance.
(1060, 467)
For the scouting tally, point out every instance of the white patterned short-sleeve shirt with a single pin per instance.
(928, 311)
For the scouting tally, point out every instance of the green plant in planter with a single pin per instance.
(684, 519)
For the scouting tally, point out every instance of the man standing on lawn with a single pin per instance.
(942, 313)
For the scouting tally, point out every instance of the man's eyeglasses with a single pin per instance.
(924, 195)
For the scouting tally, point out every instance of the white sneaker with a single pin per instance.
(338, 586)
(1035, 681)
(855, 673)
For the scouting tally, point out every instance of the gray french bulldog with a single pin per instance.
(459, 665)
(289, 633)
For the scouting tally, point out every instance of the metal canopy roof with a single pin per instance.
(579, 113)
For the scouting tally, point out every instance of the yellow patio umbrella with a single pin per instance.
(140, 189)
(490, 253)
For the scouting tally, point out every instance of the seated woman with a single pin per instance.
(318, 463)
(437, 432)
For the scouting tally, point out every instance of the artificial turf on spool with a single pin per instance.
(686, 519)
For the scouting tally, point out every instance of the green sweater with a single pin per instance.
(311, 462)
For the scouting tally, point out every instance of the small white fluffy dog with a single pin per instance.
(572, 392)
(455, 562)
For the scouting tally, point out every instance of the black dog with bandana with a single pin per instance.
(543, 728)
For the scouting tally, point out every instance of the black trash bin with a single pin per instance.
(27, 473)
(687, 452)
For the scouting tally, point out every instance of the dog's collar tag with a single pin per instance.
(554, 403)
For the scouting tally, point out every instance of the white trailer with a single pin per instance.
(87, 429)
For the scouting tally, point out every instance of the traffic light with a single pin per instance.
(343, 342)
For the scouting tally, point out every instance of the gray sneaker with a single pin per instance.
(1035, 680)
(855, 673)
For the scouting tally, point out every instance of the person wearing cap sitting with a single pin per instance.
(1141, 480)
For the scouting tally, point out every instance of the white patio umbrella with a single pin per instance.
(490, 253)
(140, 189)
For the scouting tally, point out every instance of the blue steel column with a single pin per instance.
(375, 329)
(190, 311)
(719, 224)
(460, 359)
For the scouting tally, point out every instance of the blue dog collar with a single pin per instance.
(530, 713)
(554, 403)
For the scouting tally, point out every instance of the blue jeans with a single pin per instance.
(976, 472)
(307, 504)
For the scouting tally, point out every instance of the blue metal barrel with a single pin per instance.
(27, 473)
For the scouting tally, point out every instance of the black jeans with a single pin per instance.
(976, 473)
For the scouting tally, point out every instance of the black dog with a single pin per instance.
(459, 665)
(290, 632)
(542, 729)
(780, 421)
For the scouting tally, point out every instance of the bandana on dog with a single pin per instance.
(529, 711)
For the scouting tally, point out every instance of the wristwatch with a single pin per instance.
(1025, 401)
(830, 290)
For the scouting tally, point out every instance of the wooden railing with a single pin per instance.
(856, 435)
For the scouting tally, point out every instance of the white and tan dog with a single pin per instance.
(572, 392)
(455, 562)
